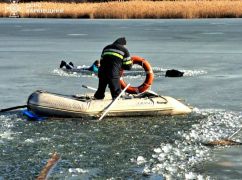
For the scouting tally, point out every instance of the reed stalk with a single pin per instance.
(136, 9)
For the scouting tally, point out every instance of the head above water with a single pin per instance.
(120, 41)
(97, 63)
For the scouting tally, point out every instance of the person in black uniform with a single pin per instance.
(114, 58)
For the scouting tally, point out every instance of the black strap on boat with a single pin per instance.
(166, 101)
(82, 98)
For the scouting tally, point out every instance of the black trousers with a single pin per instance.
(113, 84)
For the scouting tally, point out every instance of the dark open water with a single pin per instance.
(208, 51)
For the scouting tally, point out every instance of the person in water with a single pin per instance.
(94, 67)
(114, 58)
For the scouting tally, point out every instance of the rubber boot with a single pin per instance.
(63, 63)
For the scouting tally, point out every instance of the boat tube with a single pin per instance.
(75, 106)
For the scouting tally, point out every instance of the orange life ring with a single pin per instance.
(148, 80)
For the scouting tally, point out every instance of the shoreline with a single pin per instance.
(125, 10)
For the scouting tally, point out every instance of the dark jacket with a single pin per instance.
(115, 57)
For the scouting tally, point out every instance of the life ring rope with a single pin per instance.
(148, 80)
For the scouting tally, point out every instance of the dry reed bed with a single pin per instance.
(130, 9)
